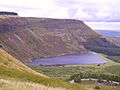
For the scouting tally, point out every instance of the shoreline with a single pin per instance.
(45, 62)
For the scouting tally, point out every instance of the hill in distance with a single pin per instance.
(112, 36)
(109, 33)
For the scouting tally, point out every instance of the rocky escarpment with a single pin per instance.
(26, 38)
(8, 13)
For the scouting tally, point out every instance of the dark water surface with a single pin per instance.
(82, 58)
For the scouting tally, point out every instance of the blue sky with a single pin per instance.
(99, 14)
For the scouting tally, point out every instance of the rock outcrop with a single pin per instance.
(8, 13)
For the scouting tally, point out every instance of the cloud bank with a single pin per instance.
(86, 10)
(89, 10)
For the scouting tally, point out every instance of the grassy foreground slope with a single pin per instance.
(12, 71)
(20, 85)
(8, 62)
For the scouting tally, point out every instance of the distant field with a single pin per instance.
(65, 72)
(101, 86)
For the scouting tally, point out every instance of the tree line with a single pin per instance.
(99, 76)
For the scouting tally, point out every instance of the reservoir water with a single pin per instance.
(82, 58)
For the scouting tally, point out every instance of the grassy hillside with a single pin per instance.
(12, 71)
(26, 38)
(12, 84)
(115, 40)
(8, 62)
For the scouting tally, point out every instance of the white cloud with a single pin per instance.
(104, 25)
(35, 8)
(80, 9)
(94, 9)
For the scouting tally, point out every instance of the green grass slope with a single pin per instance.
(12, 84)
(11, 69)
(7, 62)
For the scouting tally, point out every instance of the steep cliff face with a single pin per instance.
(8, 13)
(26, 38)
